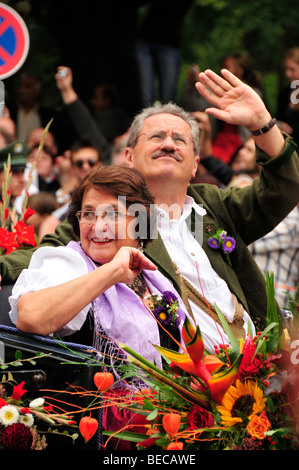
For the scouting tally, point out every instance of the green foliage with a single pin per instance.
(261, 30)
(18, 362)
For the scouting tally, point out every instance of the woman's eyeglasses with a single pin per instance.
(90, 217)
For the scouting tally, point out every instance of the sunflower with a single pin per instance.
(243, 399)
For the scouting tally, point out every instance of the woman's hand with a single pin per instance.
(128, 262)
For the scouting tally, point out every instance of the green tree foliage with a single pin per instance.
(263, 30)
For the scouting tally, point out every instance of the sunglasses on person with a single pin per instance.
(80, 163)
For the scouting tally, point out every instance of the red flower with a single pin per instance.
(2, 402)
(25, 410)
(8, 240)
(199, 418)
(17, 436)
(25, 233)
(139, 423)
(151, 441)
(250, 366)
(28, 213)
(18, 391)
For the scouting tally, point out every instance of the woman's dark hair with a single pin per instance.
(121, 182)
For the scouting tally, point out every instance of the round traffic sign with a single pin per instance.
(14, 41)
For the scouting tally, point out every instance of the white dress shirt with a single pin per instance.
(195, 267)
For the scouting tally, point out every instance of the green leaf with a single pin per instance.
(18, 354)
(264, 333)
(279, 431)
(272, 315)
(148, 405)
(127, 436)
(233, 341)
(152, 415)
(163, 442)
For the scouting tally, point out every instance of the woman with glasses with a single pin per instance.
(99, 285)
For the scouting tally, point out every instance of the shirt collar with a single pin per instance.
(188, 205)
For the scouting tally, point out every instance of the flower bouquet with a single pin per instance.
(243, 397)
(24, 422)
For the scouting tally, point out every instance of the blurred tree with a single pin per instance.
(262, 30)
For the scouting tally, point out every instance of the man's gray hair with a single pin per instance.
(169, 108)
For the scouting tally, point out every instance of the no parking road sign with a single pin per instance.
(14, 41)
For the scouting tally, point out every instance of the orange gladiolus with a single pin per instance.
(88, 427)
(171, 423)
(103, 380)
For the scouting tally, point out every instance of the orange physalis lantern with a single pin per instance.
(88, 427)
(103, 380)
(171, 423)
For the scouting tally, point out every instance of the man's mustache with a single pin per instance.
(170, 153)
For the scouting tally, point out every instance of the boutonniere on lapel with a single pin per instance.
(221, 241)
(165, 308)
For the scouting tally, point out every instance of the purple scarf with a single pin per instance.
(121, 315)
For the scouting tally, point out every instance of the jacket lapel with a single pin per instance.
(158, 254)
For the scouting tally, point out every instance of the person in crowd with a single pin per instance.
(84, 156)
(112, 119)
(68, 178)
(118, 153)
(157, 50)
(43, 203)
(230, 138)
(278, 252)
(43, 176)
(46, 167)
(288, 103)
(18, 152)
(35, 136)
(103, 280)
(241, 66)
(192, 101)
(7, 131)
(164, 147)
(27, 112)
(80, 115)
(46, 178)
(243, 162)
